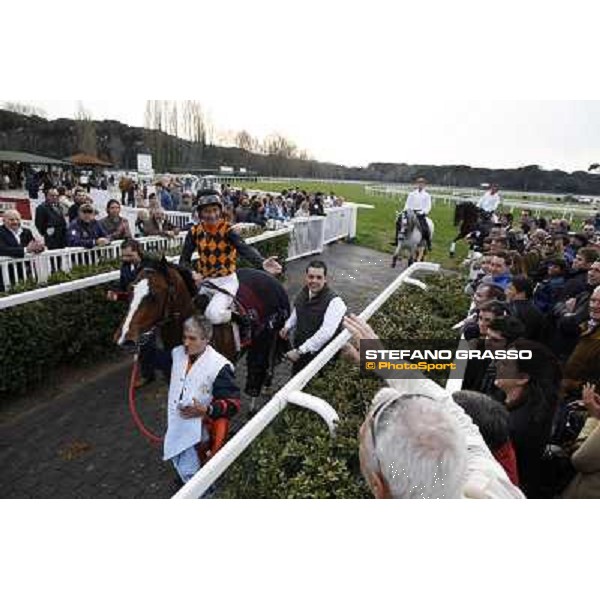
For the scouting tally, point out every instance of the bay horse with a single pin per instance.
(409, 237)
(470, 219)
(163, 298)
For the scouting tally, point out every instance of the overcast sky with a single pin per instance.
(353, 83)
(358, 129)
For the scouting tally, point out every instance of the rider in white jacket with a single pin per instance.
(420, 202)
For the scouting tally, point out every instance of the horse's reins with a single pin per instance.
(144, 337)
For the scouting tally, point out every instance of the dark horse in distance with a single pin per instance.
(163, 298)
(470, 220)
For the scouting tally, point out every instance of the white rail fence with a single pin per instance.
(307, 236)
(537, 208)
(291, 393)
(39, 267)
(150, 243)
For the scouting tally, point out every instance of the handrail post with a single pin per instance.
(317, 405)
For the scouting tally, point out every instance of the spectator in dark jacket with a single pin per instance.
(520, 305)
(16, 241)
(570, 315)
(257, 214)
(164, 197)
(49, 221)
(315, 207)
(242, 212)
(85, 231)
(480, 374)
(548, 292)
(531, 388)
(576, 243)
(132, 256)
(577, 278)
(79, 199)
(492, 419)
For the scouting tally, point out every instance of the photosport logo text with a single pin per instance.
(402, 359)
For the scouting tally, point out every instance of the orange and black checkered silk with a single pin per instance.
(216, 254)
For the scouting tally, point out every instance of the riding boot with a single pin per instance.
(427, 238)
(245, 326)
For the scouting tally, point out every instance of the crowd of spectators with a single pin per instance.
(535, 285)
(520, 427)
(68, 217)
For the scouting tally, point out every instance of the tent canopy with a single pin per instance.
(11, 156)
(87, 160)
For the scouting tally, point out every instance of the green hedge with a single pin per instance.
(295, 457)
(37, 337)
(75, 327)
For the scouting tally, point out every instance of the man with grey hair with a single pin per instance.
(17, 241)
(202, 391)
(416, 442)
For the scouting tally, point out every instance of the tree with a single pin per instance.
(85, 130)
(247, 142)
(25, 109)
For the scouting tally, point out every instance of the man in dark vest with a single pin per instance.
(316, 318)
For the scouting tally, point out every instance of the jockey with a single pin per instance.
(218, 245)
(420, 202)
(489, 202)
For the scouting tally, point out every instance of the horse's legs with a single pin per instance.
(395, 256)
(462, 233)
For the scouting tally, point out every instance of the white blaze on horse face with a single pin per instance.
(140, 291)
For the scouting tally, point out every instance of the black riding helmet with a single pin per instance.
(207, 198)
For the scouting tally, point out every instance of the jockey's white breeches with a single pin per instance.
(219, 308)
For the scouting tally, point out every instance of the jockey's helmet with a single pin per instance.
(207, 198)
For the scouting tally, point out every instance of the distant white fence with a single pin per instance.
(537, 208)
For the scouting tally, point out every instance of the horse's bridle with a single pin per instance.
(167, 316)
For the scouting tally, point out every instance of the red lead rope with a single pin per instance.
(152, 437)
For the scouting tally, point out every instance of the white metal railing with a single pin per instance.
(215, 467)
(39, 267)
(308, 236)
(149, 244)
(565, 210)
(311, 234)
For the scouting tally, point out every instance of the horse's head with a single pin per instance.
(411, 220)
(159, 297)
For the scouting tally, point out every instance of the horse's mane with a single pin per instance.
(186, 275)
(162, 267)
